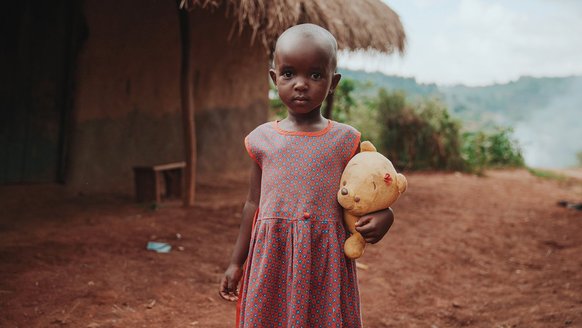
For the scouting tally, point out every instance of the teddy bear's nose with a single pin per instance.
(344, 191)
(356, 199)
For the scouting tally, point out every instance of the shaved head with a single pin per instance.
(317, 35)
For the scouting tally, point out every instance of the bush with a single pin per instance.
(343, 101)
(418, 137)
(495, 149)
(421, 135)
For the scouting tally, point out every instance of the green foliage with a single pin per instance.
(418, 137)
(342, 101)
(491, 149)
(546, 174)
(475, 150)
(503, 149)
(359, 114)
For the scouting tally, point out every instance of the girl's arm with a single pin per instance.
(229, 284)
(375, 225)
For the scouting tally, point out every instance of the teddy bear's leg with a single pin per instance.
(355, 244)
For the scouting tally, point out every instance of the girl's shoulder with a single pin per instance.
(262, 129)
(344, 126)
(264, 126)
(346, 129)
(256, 140)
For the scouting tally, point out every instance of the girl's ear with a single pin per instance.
(334, 82)
(273, 76)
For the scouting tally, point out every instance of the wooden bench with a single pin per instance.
(159, 182)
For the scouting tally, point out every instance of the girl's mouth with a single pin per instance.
(301, 99)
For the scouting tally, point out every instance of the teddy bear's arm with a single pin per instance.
(355, 244)
(350, 221)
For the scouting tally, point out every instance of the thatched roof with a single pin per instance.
(356, 24)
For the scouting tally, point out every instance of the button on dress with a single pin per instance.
(296, 273)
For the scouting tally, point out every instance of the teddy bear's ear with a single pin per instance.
(367, 146)
(401, 182)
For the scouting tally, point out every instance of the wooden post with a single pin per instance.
(188, 109)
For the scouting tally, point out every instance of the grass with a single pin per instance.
(547, 174)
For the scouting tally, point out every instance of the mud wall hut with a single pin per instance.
(92, 87)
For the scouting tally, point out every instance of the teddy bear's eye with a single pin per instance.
(344, 183)
(374, 183)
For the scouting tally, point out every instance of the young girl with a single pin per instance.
(292, 232)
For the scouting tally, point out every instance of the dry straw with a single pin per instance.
(356, 24)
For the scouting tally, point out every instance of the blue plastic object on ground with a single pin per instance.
(159, 247)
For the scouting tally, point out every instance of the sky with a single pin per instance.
(478, 42)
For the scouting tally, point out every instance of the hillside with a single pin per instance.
(370, 82)
(502, 103)
(514, 101)
(544, 112)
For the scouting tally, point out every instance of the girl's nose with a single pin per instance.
(300, 85)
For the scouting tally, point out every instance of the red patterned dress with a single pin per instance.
(296, 273)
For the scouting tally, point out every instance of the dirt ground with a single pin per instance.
(465, 251)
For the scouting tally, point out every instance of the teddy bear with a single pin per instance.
(368, 184)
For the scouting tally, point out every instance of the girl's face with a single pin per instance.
(303, 76)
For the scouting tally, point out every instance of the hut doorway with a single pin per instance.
(36, 63)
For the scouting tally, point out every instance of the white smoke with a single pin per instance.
(551, 137)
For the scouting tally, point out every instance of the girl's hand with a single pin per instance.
(375, 225)
(229, 284)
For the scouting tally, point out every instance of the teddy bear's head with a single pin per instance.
(369, 182)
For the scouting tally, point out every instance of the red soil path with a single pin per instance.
(464, 251)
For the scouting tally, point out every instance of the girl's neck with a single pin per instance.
(309, 122)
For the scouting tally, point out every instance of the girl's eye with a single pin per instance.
(287, 74)
(316, 76)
